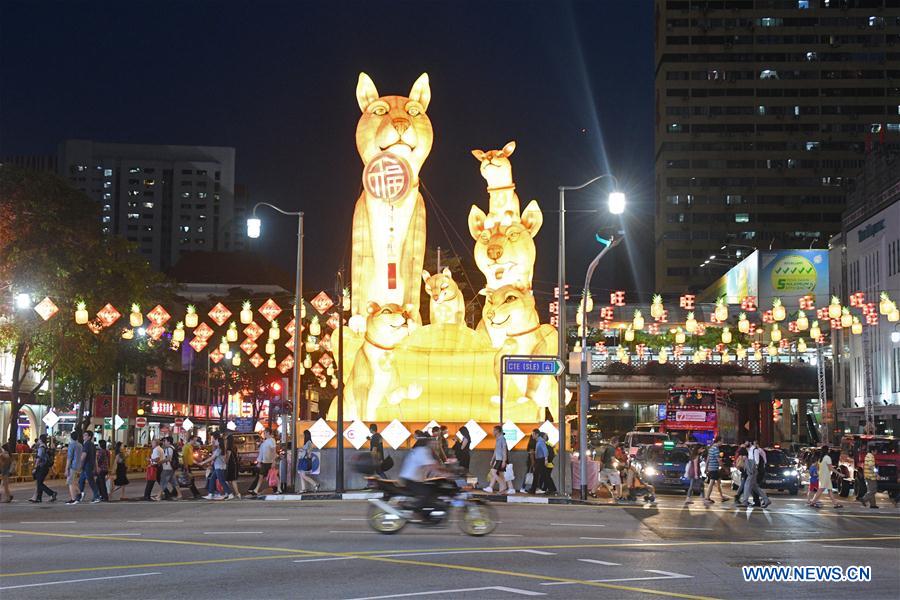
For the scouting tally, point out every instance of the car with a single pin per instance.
(781, 472)
(635, 439)
(663, 467)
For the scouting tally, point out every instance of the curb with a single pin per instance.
(496, 498)
(320, 496)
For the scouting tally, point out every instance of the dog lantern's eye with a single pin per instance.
(379, 111)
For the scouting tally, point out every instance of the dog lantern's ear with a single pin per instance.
(476, 222)
(509, 148)
(366, 93)
(421, 91)
(372, 307)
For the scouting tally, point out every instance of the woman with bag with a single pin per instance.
(217, 465)
(692, 473)
(152, 473)
(305, 464)
(462, 449)
(231, 466)
(121, 480)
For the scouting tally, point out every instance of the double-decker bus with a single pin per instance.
(699, 414)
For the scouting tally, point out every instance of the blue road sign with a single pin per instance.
(532, 365)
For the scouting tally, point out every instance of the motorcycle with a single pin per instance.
(398, 506)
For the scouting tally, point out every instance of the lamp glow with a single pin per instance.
(254, 226)
(616, 203)
(23, 300)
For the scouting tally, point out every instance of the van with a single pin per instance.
(636, 439)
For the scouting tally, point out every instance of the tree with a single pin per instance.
(51, 246)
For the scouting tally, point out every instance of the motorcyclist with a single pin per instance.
(420, 464)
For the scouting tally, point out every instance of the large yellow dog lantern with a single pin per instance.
(395, 367)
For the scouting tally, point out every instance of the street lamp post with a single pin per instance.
(584, 390)
(617, 206)
(254, 226)
(339, 470)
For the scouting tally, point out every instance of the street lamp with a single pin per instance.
(616, 203)
(339, 470)
(254, 228)
(23, 300)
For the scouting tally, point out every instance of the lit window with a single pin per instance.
(796, 111)
(202, 195)
(876, 21)
(200, 229)
(107, 184)
(812, 56)
(893, 127)
(769, 21)
(812, 146)
(761, 110)
(106, 219)
(148, 205)
(201, 217)
(133, 216)
(185, 228)
(734, 199)
(671, 128)
(802, 3)
(134, 170)
(149, 182)
(673, 199)
(768, 74)
(742, 217)
(133, 193)
(107, 172)
(107, 196)
(875, 128)
(148, 227)
(185, 194)
(107, 208)
(105, 230)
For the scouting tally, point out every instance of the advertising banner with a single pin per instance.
(792, 274)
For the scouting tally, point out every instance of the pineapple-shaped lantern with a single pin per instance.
(246, 313)
(690, 324)
(638, 321)
(802, 321)
(191, 319)
(656, 307)
(178, 334)
(81, 314)
(135, 319)
(721, 311)
(834, 309)
(778, 311)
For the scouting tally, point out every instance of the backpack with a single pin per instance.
(176, 459)
(550, 455)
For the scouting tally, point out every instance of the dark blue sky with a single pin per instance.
(571, 83)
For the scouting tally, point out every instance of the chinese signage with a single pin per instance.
(161, 407)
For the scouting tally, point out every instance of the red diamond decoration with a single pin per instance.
(95, 326)
(326, 360)
(108, 315)
(219, 314)
(326, 342)
(290, 327)
(249, 346)
(203, 331)
(46, 309)
(155, 331)
(216, 356)
(333, 321)
(270, 310)
(289, 344)
(198, 344)
(158, 315)
(287, 364)
(318, 369)
(321, 302)
(253, 331)
(257, 360)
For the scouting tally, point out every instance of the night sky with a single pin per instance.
(572, 84)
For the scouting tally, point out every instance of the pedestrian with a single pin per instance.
(826, 470)
(121, 480)
(755, 462)
(167, 472)
(305, 464)
(540, 464)
(462, 449)
(232, 470)
(284, 466)
(871, 479)
(609, 476)
(187, 461)
(153, 466)
(22, 446)
(692, 474)
(812, 467)
(376, 450)
(103, 471)
(714, 471)
(438, 445)
(498, 464)
(73, 467)
(43, 462)
(529, 464)
(549, 486)
(88, 468)
(217, 464)
(445, 440)
(5, 471)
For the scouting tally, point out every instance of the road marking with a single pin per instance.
(662, 575)
(28, 585)
(612, 539)
(5, 535)
(578, 524)
(689, 528)
(600, 562)
(305, 560)
(428, 553)
(352, 531)
(862, 547)
(156, 521)
(109, 534)
(499, 588)
(230, 532)
(265, 519)
(45, 522)
(354, 519)
(507, 535)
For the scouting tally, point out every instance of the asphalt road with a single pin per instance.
(324, 549)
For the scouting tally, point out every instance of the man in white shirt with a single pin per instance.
(754, 458)
(264, 459)
(167, 473)
(419, 463)
(498, 463)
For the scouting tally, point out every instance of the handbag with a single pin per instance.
(509, 474)
(272, 477)
(387, 464)
(529, 479)
(304, 464)
(152, 472)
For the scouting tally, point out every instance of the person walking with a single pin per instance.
(549, 486)
(121, 465)
(88, 468)
(187, 461)
(217, 464)
(305, 464)
(529, 464)
(43, 462)
(609, 476)
(713, 471)
(498, 463)
(462, 449)
(73, 467)
(265, 458)
(153, 466)
(755, 462)
(812, 467)
(232, 471)
(871, 480)
(540, 464)
(103, 471)
(167, 472)
(439, 444)
(376, 450)
(692, 473)
(826, 470)
(5, 471)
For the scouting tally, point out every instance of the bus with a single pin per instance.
(699, 414)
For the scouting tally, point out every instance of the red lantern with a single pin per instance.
(253, 331)
(219, 314)
(607, 313)
(748, 303)
(617, 298)
(687, 301)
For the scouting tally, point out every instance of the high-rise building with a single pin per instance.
(168, 200)
(32, 162)
(765, 110)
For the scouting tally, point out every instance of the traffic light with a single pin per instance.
(275, 386)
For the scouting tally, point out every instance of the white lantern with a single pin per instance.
(191, 319)
(246, 313)
(81, 314)
(232, 333)
(726, 335)
(135, 319)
